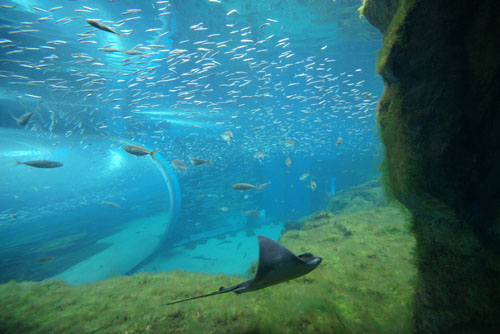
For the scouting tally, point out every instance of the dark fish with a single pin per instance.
(243, 186)
(24, 119)
(102, 27)
(198, 161)
(40, 163)
(48, 258)
(139, 150)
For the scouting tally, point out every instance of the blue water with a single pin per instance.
(271, 72)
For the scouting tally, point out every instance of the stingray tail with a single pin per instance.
(221, 290)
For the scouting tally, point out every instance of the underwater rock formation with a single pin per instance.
(363, 197)
(439, 120)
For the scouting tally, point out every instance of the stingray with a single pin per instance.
(276, 265)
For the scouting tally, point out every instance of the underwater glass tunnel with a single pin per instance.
(69, 209)
(147, 146)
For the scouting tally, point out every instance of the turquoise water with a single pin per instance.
(294, 82)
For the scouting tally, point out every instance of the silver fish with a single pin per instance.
(102, 27)
(133, 52)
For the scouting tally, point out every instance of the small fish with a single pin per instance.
(232, 11)
(179, 165)
(227, 137)
(105, 49)
(224, 209)
(24, 119)
(312, 185)
(243, 186)
(289, 143)
(139, 151)
(133, 52)
(339, 141)
(198, 161)
(259, 155)
(48, 258)
(111, 204)
(288, 162)
(102, 27)
(40, 163)
(304, 176)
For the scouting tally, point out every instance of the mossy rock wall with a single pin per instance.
(440, 123)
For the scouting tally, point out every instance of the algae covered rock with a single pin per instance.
(366, 196)
(439, 118)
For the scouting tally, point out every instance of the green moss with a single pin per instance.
(400, 163)
(362, 9)
(393, 20)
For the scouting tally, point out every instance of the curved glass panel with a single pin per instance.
(99, 214)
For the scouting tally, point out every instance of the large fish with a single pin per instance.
(102, 27)
(40, 163)
(139, 150)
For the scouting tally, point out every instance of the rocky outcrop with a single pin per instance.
(440, 124)
(366, 196)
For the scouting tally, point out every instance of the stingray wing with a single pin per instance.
(276, 264)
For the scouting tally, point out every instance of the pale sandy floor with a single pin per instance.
(127, 250)
(231, 256)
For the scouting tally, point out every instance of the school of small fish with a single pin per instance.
(236, 81)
